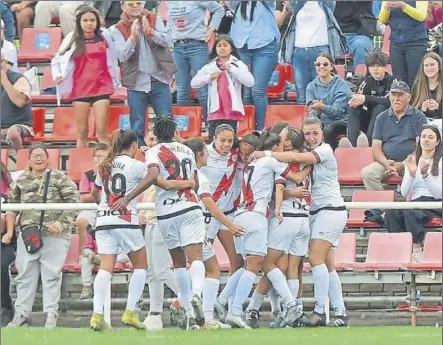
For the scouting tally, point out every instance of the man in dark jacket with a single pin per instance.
(370, 100)
(359, 25)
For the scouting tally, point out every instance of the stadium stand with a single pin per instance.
(432, 254)
(189, 120)
(39, 45)
(290, 113)
(80, 160)
(283, 74)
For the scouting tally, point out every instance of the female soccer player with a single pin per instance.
(327, 219)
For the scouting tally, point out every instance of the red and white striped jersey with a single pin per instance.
(295, 205)
(258, 184)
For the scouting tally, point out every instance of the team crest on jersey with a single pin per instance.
(233, 159)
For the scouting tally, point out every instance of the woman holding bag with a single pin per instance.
(38, 184)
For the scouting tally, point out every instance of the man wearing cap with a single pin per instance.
(395, 136)
(15, 94)
(8, 48)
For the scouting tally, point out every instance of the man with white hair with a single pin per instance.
(8, 48)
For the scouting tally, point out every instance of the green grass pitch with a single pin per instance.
(337, 336)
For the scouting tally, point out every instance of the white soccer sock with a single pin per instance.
(102, 283)
(197, 273)
(273, 300)
(320, 276)
(256, 301)
(210, 291)
(156, 296)
(242, 292)
(280, 285)
(230, 287)
(184, 288)
(135, 288)
(294, 286)
(336, 294)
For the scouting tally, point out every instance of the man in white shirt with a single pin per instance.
(9, 52)
(46, 11)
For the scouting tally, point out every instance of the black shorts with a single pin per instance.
(91, 100)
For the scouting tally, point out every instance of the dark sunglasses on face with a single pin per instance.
(318, 64)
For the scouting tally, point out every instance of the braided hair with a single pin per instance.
(165, 128)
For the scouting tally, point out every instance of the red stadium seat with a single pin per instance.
(118, 117)
(350, 162)
(387, 252)
(434, 222)
(283, 73)
(23, 159)
(341, 71)
(346, 251)
(361, 69)
(4, 156)
(80, 160)
(189, 120)
(432, 254)
(39, 45)
(120, 95)
(222, 257)
(290, 113)
(357, 216)
(247, 125)
(47, 81)
(65, 127)
(72, 258)
(386, 47)
(38, 124)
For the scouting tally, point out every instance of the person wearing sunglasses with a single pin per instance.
(327, 98)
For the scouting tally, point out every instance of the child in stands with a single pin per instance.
(226, 74)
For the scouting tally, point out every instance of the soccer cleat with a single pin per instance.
(293, 314)
(178, 314)
(237, 321)
(252, 318)
(86, 293)
(215, 324)
(130, 318)
(98, 323)
(220, 311)
(197, 305)
(339, 321)
(315, 320)
(153, 322)
(192, 325)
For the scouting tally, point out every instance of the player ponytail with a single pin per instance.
(165, 128)
(295, 136)
(121, 140)
(268, 140)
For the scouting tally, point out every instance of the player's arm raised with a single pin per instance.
(306, 158)
(298, 177)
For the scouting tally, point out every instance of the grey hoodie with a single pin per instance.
(334, 95)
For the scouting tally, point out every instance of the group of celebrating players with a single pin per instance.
(269, 198)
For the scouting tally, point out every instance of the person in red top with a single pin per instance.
(86, 67)
(225, 74)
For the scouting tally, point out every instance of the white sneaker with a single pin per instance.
(153, 322)
(344, 142)
(51, 320)
(18, 321)
(215, 324)
(237, 322)
(362, 140)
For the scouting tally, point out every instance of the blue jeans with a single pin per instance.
(262, 62)
(160, 98)
(406, 59)
(304, 69)
(359, 47)
(190, 58)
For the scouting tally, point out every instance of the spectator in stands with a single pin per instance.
(225, 74)
(408, 36)
(8, 48)
(395, 137)
(421, 182)
(359, 26)
(434, 16)
(48, 261)
(327, 98)
(186, 21)
(16, 122)
(314, 30)
(46, 11)
(9, 22)
(24, 14)
(256, 36)
(283, 15)
(146, 63)
(370, 100)
(112, 10)
(88, 48)
(8, 247)
(226, 22)
(427, 90)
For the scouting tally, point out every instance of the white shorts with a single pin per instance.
(89, 215)
(207, 251)
(291, 236)
(327, 225)
(254, 241)
(213, 226)
(113, 242)
(183, 230)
